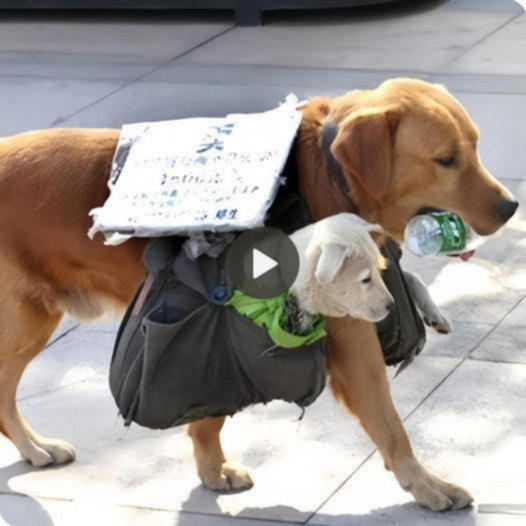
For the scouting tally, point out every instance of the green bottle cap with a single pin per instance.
(453, 232)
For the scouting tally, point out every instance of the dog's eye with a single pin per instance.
(366, 280)
(446, 162)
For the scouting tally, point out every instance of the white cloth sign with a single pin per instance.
(189, 175)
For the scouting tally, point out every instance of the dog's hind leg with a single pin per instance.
(25, 327)
(431, 313)
(214, 470)
(358, 378)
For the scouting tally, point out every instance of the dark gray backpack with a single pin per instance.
(182, 355)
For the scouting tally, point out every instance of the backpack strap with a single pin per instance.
(160, 251)
(402, 333)
(143, 294)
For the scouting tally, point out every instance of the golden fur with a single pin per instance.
(388, 143)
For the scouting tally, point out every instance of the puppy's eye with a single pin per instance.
(446, 162)
(366, 280)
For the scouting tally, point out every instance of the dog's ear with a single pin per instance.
(376, 232)
(330, 262)
(375, 228)
(370, 227)
(363, 146)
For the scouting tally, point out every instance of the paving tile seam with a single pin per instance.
(65, 78)
(340, 486)
(513, 179)
(426, 75)
(426, 397)
(98, 331)
(239, 517)
(361, 71)
(91, 377)
(502, 509)
(76, 500)
(307, 86)
(60, 336)
(485, 92)
(433, 76)
(314, 86)
(50, 344)
(364, 70)
(62, 120)
(73, 54)
(480, 40)
(464, 358)
(17, 494)
(489, 360)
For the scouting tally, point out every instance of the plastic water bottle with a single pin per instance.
(440, 233)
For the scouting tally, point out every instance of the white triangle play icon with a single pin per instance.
(261, 263)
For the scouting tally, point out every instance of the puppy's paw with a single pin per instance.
(434, 318)
(230, 477)
(430, 491)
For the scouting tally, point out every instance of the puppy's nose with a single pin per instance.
(389, 304)
(506, 208)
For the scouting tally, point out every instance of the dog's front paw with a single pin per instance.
(49, 451)
(430, 491)
(230, 477)
(434, 318)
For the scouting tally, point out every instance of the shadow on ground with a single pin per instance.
(33, 510)
(408, 513)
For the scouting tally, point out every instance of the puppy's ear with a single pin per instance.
(363, 147)
(330, 262)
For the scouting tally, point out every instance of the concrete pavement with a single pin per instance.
(462, 400)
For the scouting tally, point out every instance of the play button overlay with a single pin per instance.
(262, 263)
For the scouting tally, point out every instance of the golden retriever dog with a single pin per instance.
(404, 146)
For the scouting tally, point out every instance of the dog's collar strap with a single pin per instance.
(333, 167)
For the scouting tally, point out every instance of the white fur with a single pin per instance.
(336, 255)
(430, 311)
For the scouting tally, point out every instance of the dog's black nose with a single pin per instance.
(506, 208)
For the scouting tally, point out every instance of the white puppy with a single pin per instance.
(340, 269)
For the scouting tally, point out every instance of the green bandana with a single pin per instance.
(272, 314)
